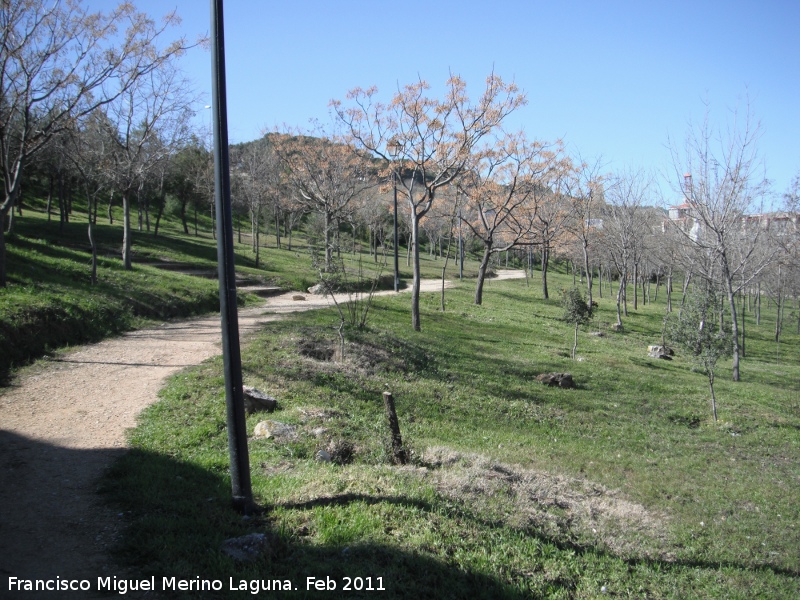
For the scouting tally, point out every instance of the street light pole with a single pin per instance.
(237, 434)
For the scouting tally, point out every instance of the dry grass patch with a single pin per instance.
(560, 507)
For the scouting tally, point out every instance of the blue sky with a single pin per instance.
(613, 79)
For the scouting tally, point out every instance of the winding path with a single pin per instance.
(64, 421)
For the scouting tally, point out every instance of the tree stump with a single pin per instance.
(398, 453)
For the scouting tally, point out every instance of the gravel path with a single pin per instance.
(64, 421)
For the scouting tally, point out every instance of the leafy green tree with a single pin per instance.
(699, 329)
(576, 311)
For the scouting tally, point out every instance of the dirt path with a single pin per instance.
(64, 421)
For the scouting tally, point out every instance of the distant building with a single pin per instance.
(593, 223)
(778, 223)
(677, 213)
(682, 216)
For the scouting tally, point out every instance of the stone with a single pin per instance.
(323, 456)
(256, 400)
(246, 548)
(275, 430)
(317, 290)
(662, 352)
(562, 380)
(298, 297)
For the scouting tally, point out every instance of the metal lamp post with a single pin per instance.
(237, 434)
(394, 148)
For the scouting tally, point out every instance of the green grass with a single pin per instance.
(623, 487)
(49, 302)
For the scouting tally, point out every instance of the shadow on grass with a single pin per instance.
(179, 514)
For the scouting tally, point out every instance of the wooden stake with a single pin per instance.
(398, 453)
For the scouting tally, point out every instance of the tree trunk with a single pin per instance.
(780, 304)
(159, 214)
(415, 287)
(588, 273)
(183, 217)
(600, 279)
(668, 289)
(328, 242)
(10, 225)
(620, 294)
(713, 396)
(49, 195)
(686, 287)
(446, 260)
(126, 232)
(94, 254)
(139, 211)
(257, 238)
(623, 286)
(68, 199)
(758, 303)
(744, 303)
(487, 253)
(253, 226)
(3, 280)
(545, 264)
(61, 208)
(734, 320)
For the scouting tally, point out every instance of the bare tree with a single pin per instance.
(328, 175)
(501, 189)
(428, 142)
(787, 232)
(625, 226)
(722, 180)
(585, 191)
(60, 62)
(257, 183)
(157, 105)
(553, 214)
(89, 148)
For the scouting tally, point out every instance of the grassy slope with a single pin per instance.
(49, 301)
(516, 490)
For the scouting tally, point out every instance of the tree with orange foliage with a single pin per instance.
(328, 175)
(428, 142)
(501, 189)
(553, 215)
